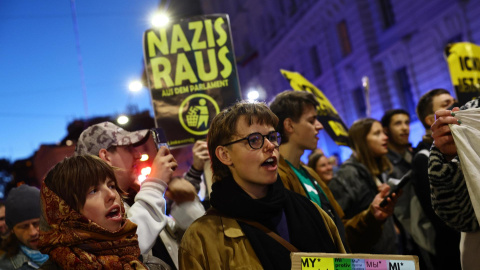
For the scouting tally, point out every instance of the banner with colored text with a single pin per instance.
(463, 60)
(192, 75)
(327, 115)
(336, 261)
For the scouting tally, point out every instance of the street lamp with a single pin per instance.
(135, 86)
(122, 119)
(160, 20)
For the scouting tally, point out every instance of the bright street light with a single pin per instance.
(253, 95)
(122, 119)
(160, 20)
(135, 86)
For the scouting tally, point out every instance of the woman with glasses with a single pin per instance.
(254, 221)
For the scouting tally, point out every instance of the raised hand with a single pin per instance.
(163, 165)
(442, 134)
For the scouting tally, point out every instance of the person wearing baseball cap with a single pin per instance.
(114, 145)
(22, 214)
(117, 147)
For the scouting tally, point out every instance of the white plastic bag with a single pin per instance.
(467, 139)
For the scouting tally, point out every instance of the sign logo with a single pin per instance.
(195, 113)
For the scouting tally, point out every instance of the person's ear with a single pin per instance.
(429, 119)
(223, 155)
(105, 155)
(288, 125)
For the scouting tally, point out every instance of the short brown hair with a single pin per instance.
(291, 104)
(224, 127)
(357, 140)
(72, 177)
(425, 104)
(388, 115)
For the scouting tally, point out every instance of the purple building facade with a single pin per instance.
(397, 44)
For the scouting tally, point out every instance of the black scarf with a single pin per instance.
(306, 228)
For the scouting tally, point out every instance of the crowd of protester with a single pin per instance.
(92, 213)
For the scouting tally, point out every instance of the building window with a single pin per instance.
(315, 61)
(387, 13)
(360, 105)
(344, 38)
(405, 92)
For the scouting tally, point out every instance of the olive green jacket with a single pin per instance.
(217, 242)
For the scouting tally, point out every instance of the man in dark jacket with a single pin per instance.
(22, 209)
(396, 125)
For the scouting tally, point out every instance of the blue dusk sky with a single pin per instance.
(43, 86)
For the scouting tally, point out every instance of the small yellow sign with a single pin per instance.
(463, 60)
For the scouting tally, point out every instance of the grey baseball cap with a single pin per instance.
(104, 135)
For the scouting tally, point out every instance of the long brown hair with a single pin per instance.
(357, 137)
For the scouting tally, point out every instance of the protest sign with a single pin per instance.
(463, 60)
(192, 76)
(327, 115)
(335, 261)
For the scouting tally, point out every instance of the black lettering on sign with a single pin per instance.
(305, 262)
(468, 85)
(393, 266)
(469, 63)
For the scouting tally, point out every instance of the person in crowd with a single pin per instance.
(360, 178)
(3, 225)
(416, 231)
(299, 129)
(249, 200)
(334, 161)
(450, 198)
(396, 125)
(157, 232)
(4, 230)
(83, 224)
(441, 241)
(22, 215)
(322, 166)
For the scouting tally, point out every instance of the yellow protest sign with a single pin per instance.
(191, 72)
(327, 114)
(463, 60)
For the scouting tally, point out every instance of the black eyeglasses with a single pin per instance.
(256, 139)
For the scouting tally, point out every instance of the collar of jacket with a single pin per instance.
(20, 259)
(395, 157)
